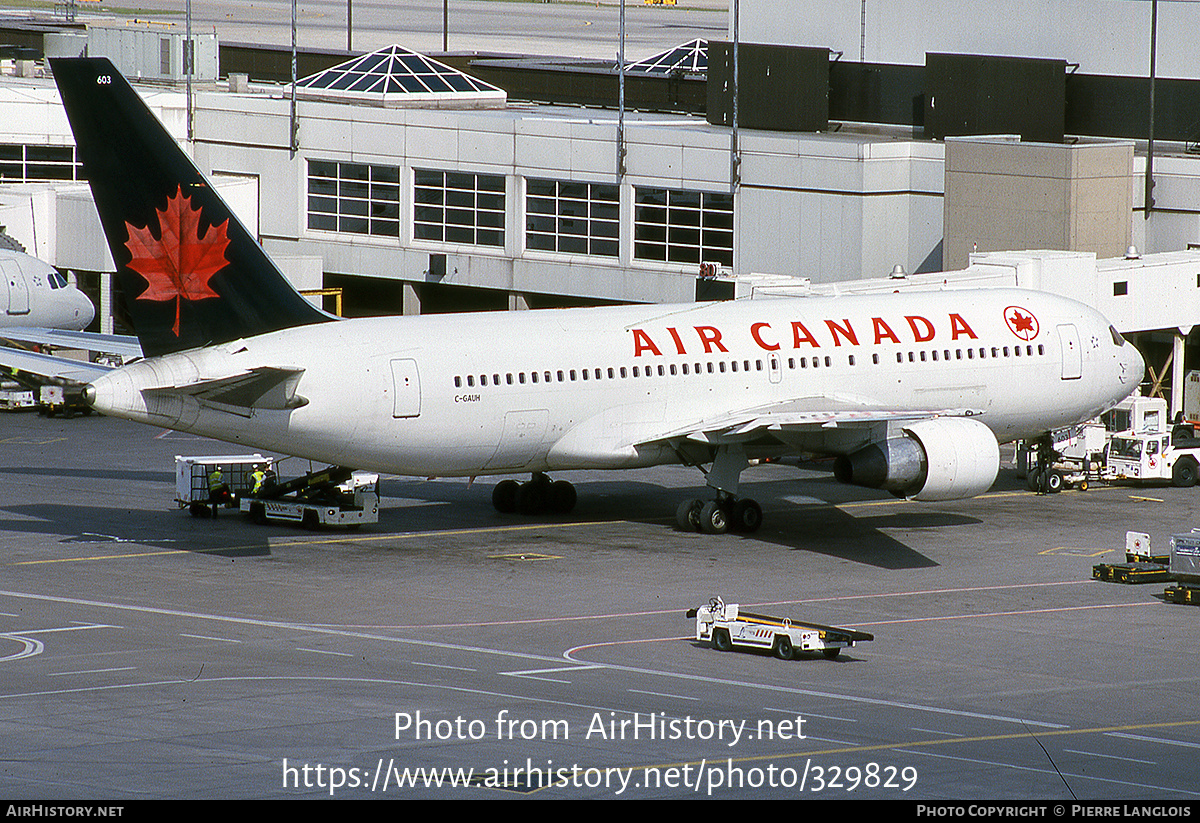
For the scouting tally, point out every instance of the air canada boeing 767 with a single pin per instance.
(912, 392)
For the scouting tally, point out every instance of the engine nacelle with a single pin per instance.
(946, 458)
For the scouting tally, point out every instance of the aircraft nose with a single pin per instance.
(85, 312)
(1134, 365)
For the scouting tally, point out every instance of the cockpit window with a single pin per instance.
(1116, 336)
(57, 281)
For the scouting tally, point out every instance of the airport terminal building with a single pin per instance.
(415, 186)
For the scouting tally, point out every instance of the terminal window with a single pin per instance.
(354, 197)
(20, 163)
(458, 207)
(573, 218)
(676, 226)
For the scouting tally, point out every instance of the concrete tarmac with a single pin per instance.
(147, 654)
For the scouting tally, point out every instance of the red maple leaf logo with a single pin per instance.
(178, 265)
(1022, 323)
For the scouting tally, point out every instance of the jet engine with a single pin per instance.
(946, 458)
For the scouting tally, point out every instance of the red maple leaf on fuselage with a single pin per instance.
(1022, 323)
(179, 264)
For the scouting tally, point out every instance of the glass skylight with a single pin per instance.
(395, 73)
(688, 58)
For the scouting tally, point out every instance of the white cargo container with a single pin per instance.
(192, 473)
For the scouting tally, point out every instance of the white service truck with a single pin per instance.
(1152, 450)
(727, 627)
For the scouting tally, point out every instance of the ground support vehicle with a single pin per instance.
(727, 627)
(15, 397)
(1139, 550)
(1185, 569)
(1078, 459)
(1059, 477)
(1131, 572)
(335, 496)
(192, 475)
(1180, 593)
(1150, 449)
(54, 399)
(1154, 456)
(1141, 564)
(1131, 442)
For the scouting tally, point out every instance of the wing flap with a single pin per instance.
(805, 413)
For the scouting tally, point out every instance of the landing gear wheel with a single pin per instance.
(504, 496)
(747, 516)
(687, 516)
(783, 647)
(531, 497)
(721, 641)
(713, 518)
(1055, 482)
(562, 497)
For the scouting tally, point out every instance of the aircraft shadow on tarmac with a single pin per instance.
(802, 515)
(814, 525)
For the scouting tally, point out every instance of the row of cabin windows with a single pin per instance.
(611, 373)
(731, 366)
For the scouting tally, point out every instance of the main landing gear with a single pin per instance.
(537, 495)
(727, 512)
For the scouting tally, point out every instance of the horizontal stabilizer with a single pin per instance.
(125, 345)
(265, 387)
(50, 368)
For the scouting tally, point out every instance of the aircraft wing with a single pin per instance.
(52, 368)
(821, 424)
(125, 345)
(809, 413)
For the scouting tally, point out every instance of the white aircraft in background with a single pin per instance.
(36, 295)
(39, 305)
(913, 392)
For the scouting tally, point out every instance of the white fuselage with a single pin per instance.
(492, 393)
(33, 294)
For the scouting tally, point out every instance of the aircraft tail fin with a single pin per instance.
(191, 273)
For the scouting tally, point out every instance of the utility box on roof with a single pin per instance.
(150, 51)
(781, 88)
